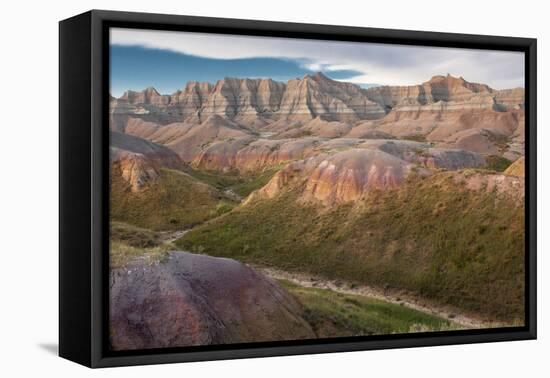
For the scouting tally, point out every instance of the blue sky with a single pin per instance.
(166, 60)
(135, 67)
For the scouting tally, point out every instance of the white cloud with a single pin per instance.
(315, 66)
(378, 63)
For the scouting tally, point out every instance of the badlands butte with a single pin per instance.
(415, 191)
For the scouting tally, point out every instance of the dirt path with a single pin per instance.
(172, 236)
(231, 194)
(446, 312)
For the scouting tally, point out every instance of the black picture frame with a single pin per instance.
(83, 181)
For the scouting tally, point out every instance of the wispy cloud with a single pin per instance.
(364, 63)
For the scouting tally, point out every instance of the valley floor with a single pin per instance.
(303, 282)
(332, 307)
(335, 308)
(457, 318)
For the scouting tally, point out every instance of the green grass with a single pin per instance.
(415, 137)
(134, 236)
(431, 237)
(241, 184)
(174, 201)
(128, 242)
(333, 314)
(497, 163)
(248, 184)
(120, 253)
(218, 180)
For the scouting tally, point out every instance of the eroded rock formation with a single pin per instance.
(138, 161)
(340, 177)
(189, 299)
(227, 125)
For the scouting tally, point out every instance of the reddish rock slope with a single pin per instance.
(138, 161)
(190, 299)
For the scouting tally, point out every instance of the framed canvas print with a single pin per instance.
(233, 188)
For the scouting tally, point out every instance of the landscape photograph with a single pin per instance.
(277, 189)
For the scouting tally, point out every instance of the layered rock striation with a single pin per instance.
(202, 122)
(251, 100)
(339, 178)
(138, 161)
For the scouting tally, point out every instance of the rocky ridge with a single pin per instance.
(438, 110)
(314, 96)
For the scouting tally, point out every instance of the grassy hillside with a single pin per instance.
(497, 163)
(128, 242)
(134, 236)
(333, 314)
(330, 314)
(174, 201)
(432, 237)
(242, 185)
